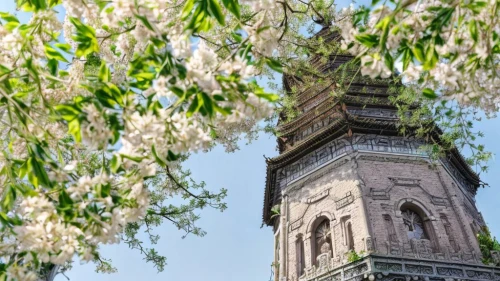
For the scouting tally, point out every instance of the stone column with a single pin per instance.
(459, 213)
(283, 238)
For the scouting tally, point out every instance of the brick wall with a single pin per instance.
(360, 189)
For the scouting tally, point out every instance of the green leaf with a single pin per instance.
(52, 64)
(389, 61)
(215, 11)
(233, 7)
(274, 65)
(473, 30)
(208, 104)
(429, 93)
(157, 158)
(267, 96)
(115, 163)
(172, 156)
(145, 21)
(52, 53)
(369, 40)
(67, 112)
(10, 26)
(193, 108)
(431, 58)
(64, 46)
(74, 129)
(9, 198)
(406, 58)
(383, 25)
(53, 3)
(133, 158)
(188, 9)
(8, 17)
(418, 51)
(104, 73)
(237, 37)
(65, 202)
(37, 174)
(85, 37)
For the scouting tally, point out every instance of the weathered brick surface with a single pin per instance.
(405, 178)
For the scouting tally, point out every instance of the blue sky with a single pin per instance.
(236, 247)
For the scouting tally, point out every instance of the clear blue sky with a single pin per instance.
(236, 248)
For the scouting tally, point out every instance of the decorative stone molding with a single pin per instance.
(318, 196)
(296, 224)
(386, 268)
(374, 112)
(323, 262)
(344, 201)
(316, 176)
(384, 194)
(341, 146)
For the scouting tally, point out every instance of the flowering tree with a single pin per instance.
(99, 110)
(445, 52)
(450, 49)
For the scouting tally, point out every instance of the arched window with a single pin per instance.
(299, 252)
(419, 226)
(322, 239)
(414, 225)
(347, 234)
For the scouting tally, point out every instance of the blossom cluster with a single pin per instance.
(445, 46)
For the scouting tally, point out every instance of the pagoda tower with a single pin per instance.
(350, 198)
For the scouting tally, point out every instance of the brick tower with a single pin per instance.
(349, 198)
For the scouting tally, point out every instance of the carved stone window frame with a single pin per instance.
(311, 232)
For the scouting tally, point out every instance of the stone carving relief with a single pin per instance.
(495, 256)
(447, 271)
(323, 262)
(384, 194)
(401, 269)
(370, 245)
(469, 257)
(374, 112)
(408, 251)
(479, 274)
(423, 248)
(393, 267)
(355, 271)
(419, 269)
(344, 201)
(296, 224)
(318, 196)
